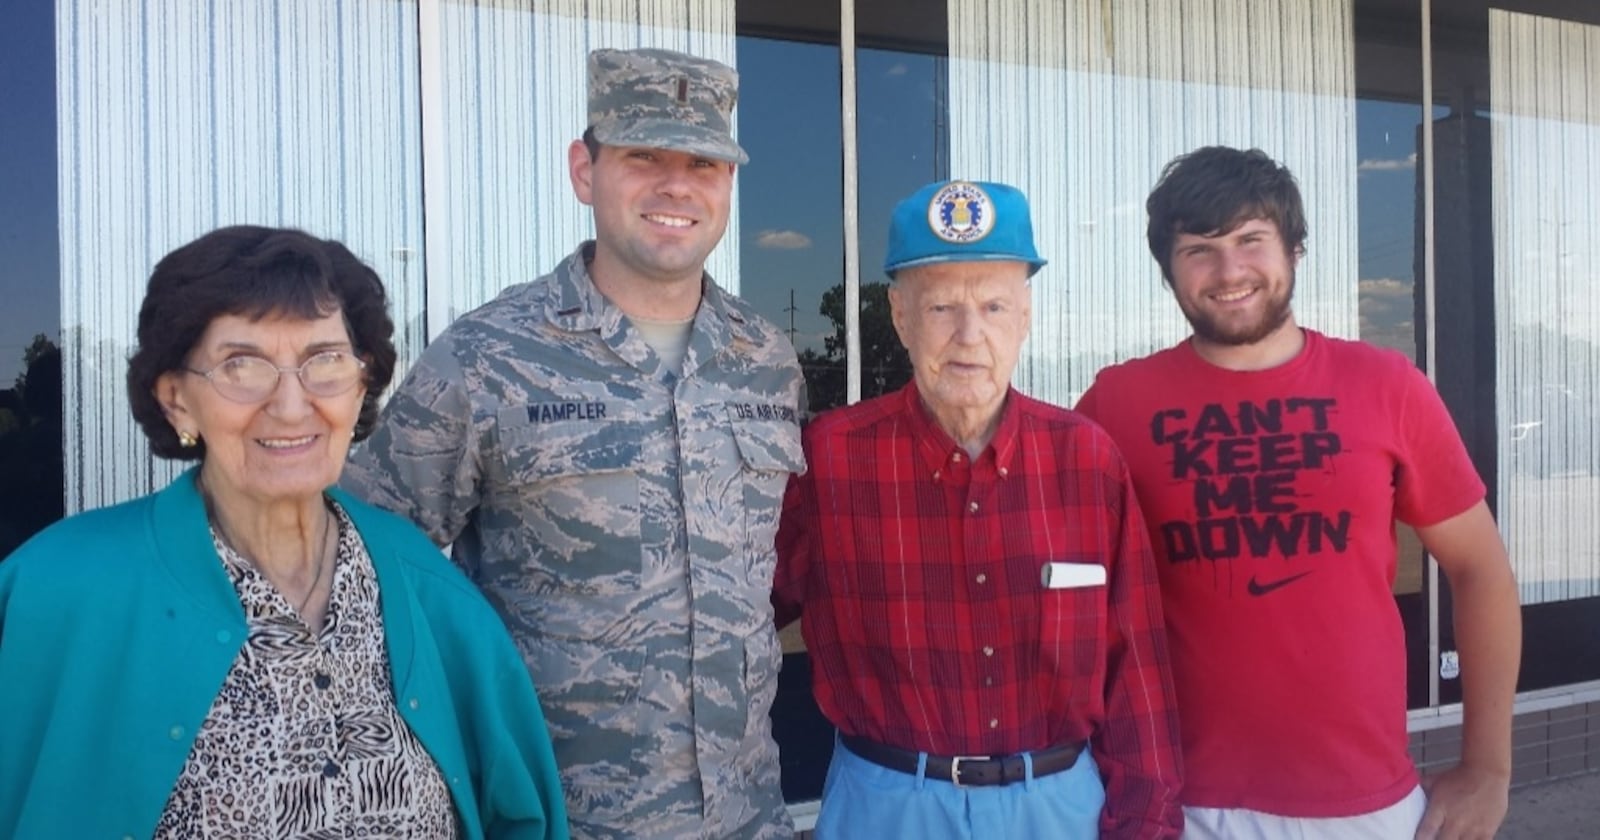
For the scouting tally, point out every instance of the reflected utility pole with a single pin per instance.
(791, 310)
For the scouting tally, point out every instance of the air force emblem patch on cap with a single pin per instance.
(961, 212)
(960, 221)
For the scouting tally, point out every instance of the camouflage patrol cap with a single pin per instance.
(664, 100)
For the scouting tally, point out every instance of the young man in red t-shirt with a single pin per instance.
(1271, 463)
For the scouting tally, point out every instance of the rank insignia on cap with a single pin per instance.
(961, 212)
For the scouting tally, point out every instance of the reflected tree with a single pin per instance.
(885, 367)
(31, 492)
(39, 348)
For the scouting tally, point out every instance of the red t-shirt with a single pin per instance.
(1271, 498)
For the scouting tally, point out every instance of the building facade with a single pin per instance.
(1449, 152)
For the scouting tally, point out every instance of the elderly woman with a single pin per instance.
(249, 653)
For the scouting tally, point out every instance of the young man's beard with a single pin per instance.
(1274, 316)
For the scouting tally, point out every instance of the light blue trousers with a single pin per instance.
(862, 800)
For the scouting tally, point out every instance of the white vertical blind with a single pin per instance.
(1545, 92)
(515, 89)
(180, 116)
(1080, 103)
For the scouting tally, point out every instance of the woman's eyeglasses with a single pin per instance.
(250, 379)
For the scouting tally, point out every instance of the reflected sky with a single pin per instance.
(1386, 195)
(791, 193)
(792, 234)
(29, 288)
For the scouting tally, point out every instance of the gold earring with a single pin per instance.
(187, 440)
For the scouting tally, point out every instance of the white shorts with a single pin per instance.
(1396, 822)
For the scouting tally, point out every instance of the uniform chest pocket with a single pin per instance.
(571, 491)
(769, 450)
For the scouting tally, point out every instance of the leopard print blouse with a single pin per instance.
(304, 740)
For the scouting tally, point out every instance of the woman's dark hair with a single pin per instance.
(1215, 189)
(254, 273)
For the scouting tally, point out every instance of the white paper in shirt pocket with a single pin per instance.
(1072, 575)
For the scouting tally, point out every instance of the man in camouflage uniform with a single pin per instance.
(606, 448)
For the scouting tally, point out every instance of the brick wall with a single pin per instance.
(1547, 744)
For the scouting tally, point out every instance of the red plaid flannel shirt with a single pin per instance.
(928, 625)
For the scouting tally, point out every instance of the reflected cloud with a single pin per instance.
(1386, 307)
(783, 240)
(1385, 289)
(897, 70)
(1388, 164)
(802, 339)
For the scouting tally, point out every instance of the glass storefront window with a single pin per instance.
(791, 192)
(903, 137)
(31, 494)
(1517, 171)
(1545, 131)
(302, 113)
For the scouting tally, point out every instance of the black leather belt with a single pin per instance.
(966, 770)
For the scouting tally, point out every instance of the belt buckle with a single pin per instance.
(955, 766)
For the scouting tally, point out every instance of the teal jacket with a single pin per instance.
(117, 627)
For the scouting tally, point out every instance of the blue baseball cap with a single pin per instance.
(961, 221)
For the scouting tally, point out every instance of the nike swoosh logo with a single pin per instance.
(1258, 589)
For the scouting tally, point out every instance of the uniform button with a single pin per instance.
(413, 704)
(322, 681)
(988, 651)
(955, 456)
(175, 733)
(1002, 472)
(224, 637)
(994, 723)
(330, 769)
(972, 506)
(936, 475)
(983, 578)
(988, 680)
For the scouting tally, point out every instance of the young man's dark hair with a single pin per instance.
(1212, 190)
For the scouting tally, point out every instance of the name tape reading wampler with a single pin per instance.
(552, 412)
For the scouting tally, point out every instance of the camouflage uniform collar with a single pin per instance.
(732, 320)
(576, 304)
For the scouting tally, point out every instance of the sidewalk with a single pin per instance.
(1565, 809)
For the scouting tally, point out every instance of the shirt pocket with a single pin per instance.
(572, 509)
(769, 451)
(1072, 623)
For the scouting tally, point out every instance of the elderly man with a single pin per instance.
(980, 600)
(606, 448)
